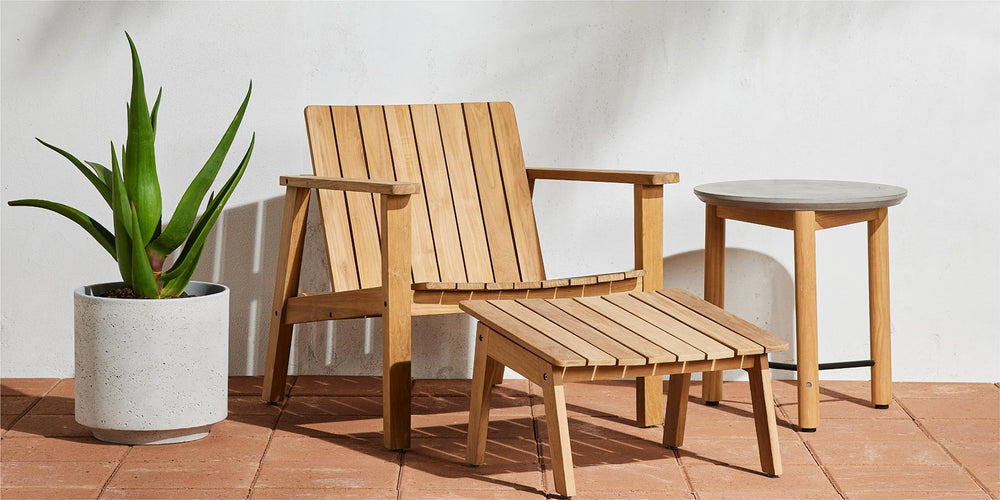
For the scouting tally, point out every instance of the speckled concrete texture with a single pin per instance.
(151, 371)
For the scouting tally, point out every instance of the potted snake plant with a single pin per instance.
(151, 350)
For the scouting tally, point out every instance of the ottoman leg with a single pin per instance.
(763, 416)
(676, 415)
(648, 401)
(483, 372)
(558, 427)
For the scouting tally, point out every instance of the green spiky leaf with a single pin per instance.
(90, 175)
(183, 218)
(122, 213)
(139, 163)
(156, 108)
(143, 279)
(188, 259)
(88, 223)
(102, 172)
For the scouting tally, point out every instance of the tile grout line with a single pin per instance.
(816, 460)
(118, 465)
(270, 437)
(930, 436)
(823, 468)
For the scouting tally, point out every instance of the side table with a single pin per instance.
(804, 207)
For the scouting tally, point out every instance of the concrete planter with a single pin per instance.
(151, 371)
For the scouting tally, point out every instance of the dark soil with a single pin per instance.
(128, 293)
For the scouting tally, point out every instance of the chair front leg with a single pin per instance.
(396, 321)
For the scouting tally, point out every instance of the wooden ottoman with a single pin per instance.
(669, 332)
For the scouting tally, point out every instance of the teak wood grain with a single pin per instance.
(543, 341)
(452, 178)
(804, 223)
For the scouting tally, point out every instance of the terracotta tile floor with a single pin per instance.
(324, 441)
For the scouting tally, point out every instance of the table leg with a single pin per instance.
(806, 345)
(715, 289)
(878, 308)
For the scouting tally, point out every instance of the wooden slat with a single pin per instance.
(515, 181)
(583, 280)
(406, 163)
(621, 176)
(512, 328)
(577, 374)
(344, 184)
(741, 345)
(653, 352)
(622, 354)
(304, 308)
(555, 283)
(593, 354)
(606, 278)
(444, 227)
(727, 319)
(491, 192)
(619, 282)
(360, 206)
(683, 351)
(465, 193)
(333, 204)
(377, 152)
(501, 285)
(670, 325)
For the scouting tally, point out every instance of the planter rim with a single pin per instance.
(195, 290)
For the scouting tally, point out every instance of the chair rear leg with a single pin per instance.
(676, 414)
(763, 416)
(286, 285)
(497, 376)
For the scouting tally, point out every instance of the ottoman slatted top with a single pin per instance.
(635, 329)
(641, 334)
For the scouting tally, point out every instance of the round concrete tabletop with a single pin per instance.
(791, 194)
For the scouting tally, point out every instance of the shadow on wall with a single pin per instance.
(242, 253)
(758, 289)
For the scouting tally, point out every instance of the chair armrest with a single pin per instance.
(622, 176)
(358, 185)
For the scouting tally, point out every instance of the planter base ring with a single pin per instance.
(152, 437)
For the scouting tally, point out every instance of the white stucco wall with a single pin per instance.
(898, 93)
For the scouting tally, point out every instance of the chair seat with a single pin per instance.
(531, 285)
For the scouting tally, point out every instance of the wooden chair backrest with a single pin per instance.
(472, 221)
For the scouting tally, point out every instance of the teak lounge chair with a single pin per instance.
(425, 206)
